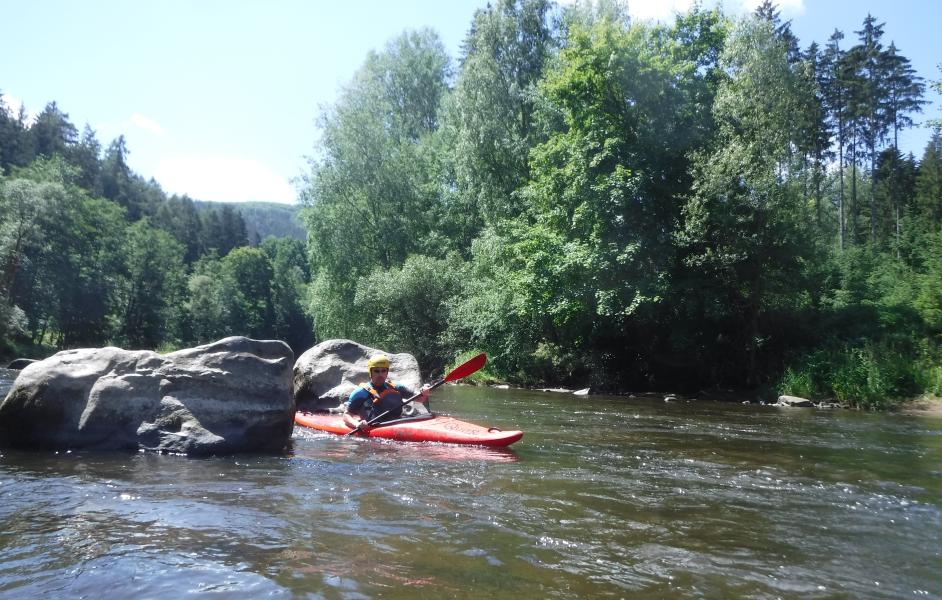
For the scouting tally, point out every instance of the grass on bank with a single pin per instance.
(872, 375)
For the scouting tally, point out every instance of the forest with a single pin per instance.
(591, 200)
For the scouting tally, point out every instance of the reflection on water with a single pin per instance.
(604, 497)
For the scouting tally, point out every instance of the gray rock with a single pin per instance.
(20, 363)
(794, 401)
(582, 392)
(230, 396)
(325, 375)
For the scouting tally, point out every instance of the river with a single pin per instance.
(605, 497)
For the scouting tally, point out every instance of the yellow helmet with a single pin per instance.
(381, 361)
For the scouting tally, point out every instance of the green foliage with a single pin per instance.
(872, 375)
(371, 201)
(742, 225)
(290, 276)
(206, 310)
(267, 219)
(483, 376)
(490, 118)
(153, 287)
(406, 308)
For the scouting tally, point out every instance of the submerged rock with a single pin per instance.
(794, 401)
(230, 396)
(20, 363)
(325, 375)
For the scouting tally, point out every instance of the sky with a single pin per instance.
(219, 99)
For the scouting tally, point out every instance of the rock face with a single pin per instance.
(230, 396)
(325, 375)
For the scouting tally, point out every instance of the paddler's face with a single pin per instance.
(378, 375)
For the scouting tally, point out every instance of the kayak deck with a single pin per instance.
(423, 428)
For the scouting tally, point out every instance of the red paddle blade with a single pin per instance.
(466, 368)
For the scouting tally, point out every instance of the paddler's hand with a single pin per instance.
(363, 426)
(423, 394)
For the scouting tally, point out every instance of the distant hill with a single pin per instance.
(267, 219)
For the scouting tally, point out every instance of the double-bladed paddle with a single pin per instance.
(460, 372)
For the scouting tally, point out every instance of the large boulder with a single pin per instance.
(325, 375)
(230, 396)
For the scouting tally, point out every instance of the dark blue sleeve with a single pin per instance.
(357, 398)
(406, 392)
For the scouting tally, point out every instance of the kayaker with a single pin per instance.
(378, 396)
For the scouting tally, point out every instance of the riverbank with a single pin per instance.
(924, 406)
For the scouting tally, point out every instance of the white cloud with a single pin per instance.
(223, 179)
(13, 105)
(146, 124)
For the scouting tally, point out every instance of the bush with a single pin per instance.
(871, 375)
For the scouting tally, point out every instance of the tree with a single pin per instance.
(116, 177)
(246, 275)
(588, 262)
(744, 222)
(373, 197)
(873, 91)
(86, 156)
(937, 86)
(407, 308)
(904, 97)
(52, 132)
(206, 319)
(905, 91)
(928, 202)
(491, 113)
(835, 95)
(15, 146)
(815, 144)
(290, 276)
(22, 204)
(179, 217)
(153, 287)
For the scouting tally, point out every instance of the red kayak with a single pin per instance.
(422, 428)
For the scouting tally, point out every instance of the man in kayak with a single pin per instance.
(378, 396)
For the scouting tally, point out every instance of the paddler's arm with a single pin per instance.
(352, 407)
(355, 422)
(408, 393)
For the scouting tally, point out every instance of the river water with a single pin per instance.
(605, 497)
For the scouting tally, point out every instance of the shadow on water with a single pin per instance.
(603, 497)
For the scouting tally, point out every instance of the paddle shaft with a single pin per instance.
(461, 371)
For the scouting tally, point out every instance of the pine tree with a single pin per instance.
(86, 155)
(873, 101)
(816, 144)
(929, 185)
(904, 96)
(835, 94)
